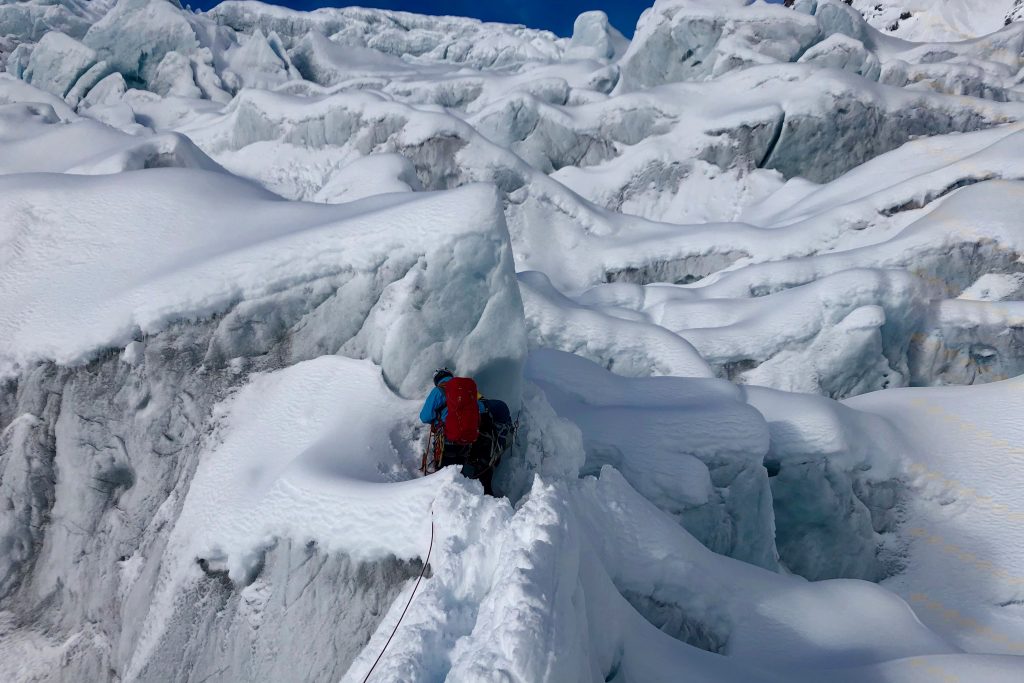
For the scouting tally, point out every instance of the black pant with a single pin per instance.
(474, 460)
(456, 453)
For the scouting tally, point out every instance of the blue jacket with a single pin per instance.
(435, 407)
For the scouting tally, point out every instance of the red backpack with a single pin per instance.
(462, 424)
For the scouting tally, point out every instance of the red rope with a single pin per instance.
(411, 596)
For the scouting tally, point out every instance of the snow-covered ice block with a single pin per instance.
(680, 40)
(632, 348)
(135, 35)
(970, 342)
(325, 62)
(18, 60)
(341, 447)
(57, 62)
(996, 287)
(365, 177)
(29, 20)
(110, 90)
(842, 52)
(312, 453)
(665, 572)
(456, 40)
(17, 91)
(173, 77)
(260, 62)
(665, 435)
(34, 140)
(95, 75)
(412, 282)
(594, 38)
(838, 487)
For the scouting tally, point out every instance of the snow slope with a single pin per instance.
(751, 281)
(965, 515)
(925, 21)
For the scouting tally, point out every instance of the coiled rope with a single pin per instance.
(411, 596)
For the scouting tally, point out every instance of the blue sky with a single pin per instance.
(554, 15)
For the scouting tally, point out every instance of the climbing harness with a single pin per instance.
(423, 569)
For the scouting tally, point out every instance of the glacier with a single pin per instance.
(752, 280)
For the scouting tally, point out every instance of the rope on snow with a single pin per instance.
(411, 596)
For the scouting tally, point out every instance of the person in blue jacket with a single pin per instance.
(435, 411)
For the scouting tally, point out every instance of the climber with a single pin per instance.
(466, 428)
(452, 410)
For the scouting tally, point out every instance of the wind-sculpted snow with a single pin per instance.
(855, 326)
(630, 347)
(279, 269)
(234, 246)
(32, 134)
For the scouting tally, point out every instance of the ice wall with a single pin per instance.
(106, 422)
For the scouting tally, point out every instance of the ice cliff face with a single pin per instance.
(743, 276)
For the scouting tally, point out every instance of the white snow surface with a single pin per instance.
(957, 451)
(939, 20)
(751, 282)
(73, 284)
